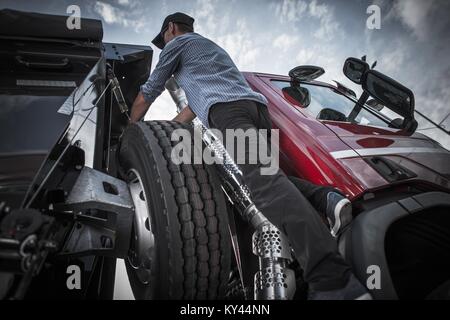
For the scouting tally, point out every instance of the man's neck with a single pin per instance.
(180, 34)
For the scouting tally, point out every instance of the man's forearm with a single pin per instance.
(139, 108)
(186, 115)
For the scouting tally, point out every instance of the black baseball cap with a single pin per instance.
(177, 17)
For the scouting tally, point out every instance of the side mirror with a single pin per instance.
(354, 69)
(389, 93)
(331, 115)
(306, 73)
(299, 94)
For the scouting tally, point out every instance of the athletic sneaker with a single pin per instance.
(338, 212)
(354, 290)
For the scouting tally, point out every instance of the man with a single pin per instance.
(221, 98)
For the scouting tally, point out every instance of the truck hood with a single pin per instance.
(426, 159)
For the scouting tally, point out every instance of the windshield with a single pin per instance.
(324, 103)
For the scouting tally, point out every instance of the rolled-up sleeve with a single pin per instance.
(169, 60)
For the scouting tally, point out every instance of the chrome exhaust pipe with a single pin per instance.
(177, 94)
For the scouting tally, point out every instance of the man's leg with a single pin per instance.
(317, 195)
(282, 203)
(334, 208)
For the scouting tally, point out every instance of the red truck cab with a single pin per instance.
(397, 179)
(360, 157)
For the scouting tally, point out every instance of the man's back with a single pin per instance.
(205, 72)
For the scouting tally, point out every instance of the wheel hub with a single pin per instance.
(142, 245)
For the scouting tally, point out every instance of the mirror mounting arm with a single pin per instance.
(358, 106)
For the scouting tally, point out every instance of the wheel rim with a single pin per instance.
(141, 255)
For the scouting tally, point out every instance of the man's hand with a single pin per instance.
(139, 108)
(186, 115)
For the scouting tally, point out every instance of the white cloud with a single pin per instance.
(113, 15)
(392, 61)
(433, 103)
(415, 15)
(285, 42)
(312, 12)
(240, 46)
(123, 2)
(207, 18)
(305, 56)
(108, 12)
(329, 26)
(290, 10)
(162, 109)
(217, 23)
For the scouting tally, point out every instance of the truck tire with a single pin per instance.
(184, 251)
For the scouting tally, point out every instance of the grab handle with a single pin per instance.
(64, 63)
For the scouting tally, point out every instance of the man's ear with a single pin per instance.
(171, 27)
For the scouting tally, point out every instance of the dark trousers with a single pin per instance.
(283, 204)
(316, 195)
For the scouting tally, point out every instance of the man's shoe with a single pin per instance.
(338, 212)
(354, 290)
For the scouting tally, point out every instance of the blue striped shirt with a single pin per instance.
(203, 70)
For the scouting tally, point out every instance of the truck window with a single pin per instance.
(324, 103)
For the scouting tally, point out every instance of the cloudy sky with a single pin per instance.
(273, 36)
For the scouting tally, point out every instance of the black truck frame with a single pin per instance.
(58, 193)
